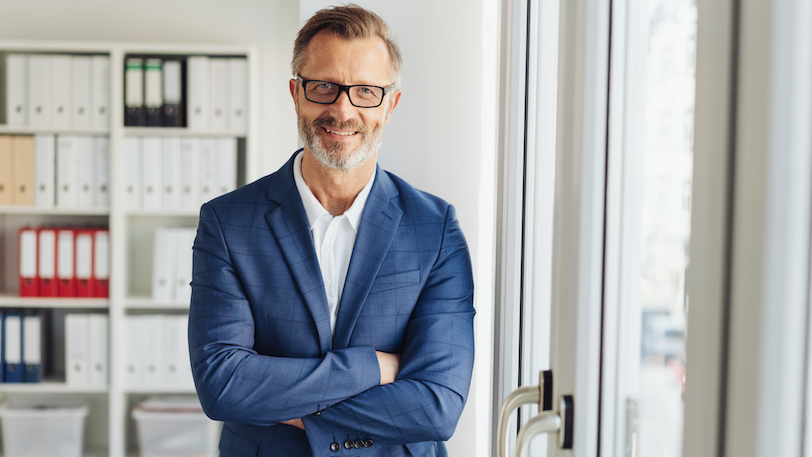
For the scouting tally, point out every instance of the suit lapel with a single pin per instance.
(376, 231)
(288, 223)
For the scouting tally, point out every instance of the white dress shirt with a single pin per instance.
(333, 237)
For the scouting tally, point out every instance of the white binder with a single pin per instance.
(184, 241)
(238, 95)
(46, 253)
(208, 171)
(13, 348)
(77, 346)
(32, 348)
(101, 148)
(171, 172)
(132, 173)
(135, 357)
(218, 93)
(62, 90)
(154, 355)
(178, 371)
(190, 173)
(100, 92)
(98, 344)
(44, 172)
(67, 171)
(151, 176)
(81, 81)
(86, 170)
(40, 91)
(197, 93)
(226, 173)
(163, 266)
(16, 90)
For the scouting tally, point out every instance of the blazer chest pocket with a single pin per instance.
(395, 281)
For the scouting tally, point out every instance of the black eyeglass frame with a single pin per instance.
(343, 88)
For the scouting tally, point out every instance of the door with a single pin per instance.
(597, 225)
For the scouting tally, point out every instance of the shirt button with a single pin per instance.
(348, 444)
(335, 447)
(368, 443)
(358, 444)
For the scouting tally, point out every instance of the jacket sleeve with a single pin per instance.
(233, 381)
(426, 400)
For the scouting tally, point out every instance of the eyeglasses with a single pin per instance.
(326, 93)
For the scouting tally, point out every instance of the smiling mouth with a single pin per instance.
(336, 132)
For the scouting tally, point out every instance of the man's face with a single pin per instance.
(340, 135)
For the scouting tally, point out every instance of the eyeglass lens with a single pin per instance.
(326, 92)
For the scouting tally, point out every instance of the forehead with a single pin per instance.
(359, 61)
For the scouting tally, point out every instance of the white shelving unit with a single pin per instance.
(109, 429)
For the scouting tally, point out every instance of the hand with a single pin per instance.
(295, 423)
(389, 365)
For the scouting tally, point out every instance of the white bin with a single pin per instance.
(178, 432)
(33, 431)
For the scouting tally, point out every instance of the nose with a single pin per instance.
(342, 108)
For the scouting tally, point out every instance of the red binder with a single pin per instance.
(65, 262)
(83, 252)
(101, 262)
(29, 283)
(46, 266)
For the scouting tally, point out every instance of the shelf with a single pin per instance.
(178, 131)
(159, 390)
(49, 387)
(28, 130)
(164, 212)
(15, 301)
(51, 211)
(146, 303)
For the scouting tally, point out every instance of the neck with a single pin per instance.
(335, 189)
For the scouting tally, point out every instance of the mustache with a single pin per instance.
(331, 122)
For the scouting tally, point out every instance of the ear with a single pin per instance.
(394, 100)
(293, 89)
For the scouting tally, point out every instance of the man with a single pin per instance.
(332, 305)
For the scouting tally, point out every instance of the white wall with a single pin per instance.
(442, 140)
(268, 24)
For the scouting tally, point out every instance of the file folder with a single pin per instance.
(67, 171)
(6, 170)
(32, 348)
(178, 369)
(190, 173)
(16, 90)
(29, 284)
(132, 173)
(101, 199)
(218, 94)
(208, 164)
(173, 93)
(101, 262)
(153, 92)
(40, 91)
(226, 173)
(238, 95)
(13, 348)
(163, 266)
(61, 90)
(184, 241)
(98, 352)
(154, 356)
(151, 176)
(100, 92)
(134, 114)
(24, 170)
(170, 173)
(197, 93)
(81, 82)
(46, 266)
(86, 172)
(65, 263)
(135, 358)
(77, 347)
(84, 263)
(45, 172)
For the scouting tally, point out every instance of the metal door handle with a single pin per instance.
(548, 422)
(541, 394)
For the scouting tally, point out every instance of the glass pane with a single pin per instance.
(659, 155)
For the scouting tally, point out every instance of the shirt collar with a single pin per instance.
(313, 208)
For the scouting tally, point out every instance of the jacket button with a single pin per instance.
(335, 447)
(358, 444)
(368, 443)
(348, 444)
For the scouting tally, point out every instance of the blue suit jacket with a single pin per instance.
(259, 330)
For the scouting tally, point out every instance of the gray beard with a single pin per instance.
(336, 156)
